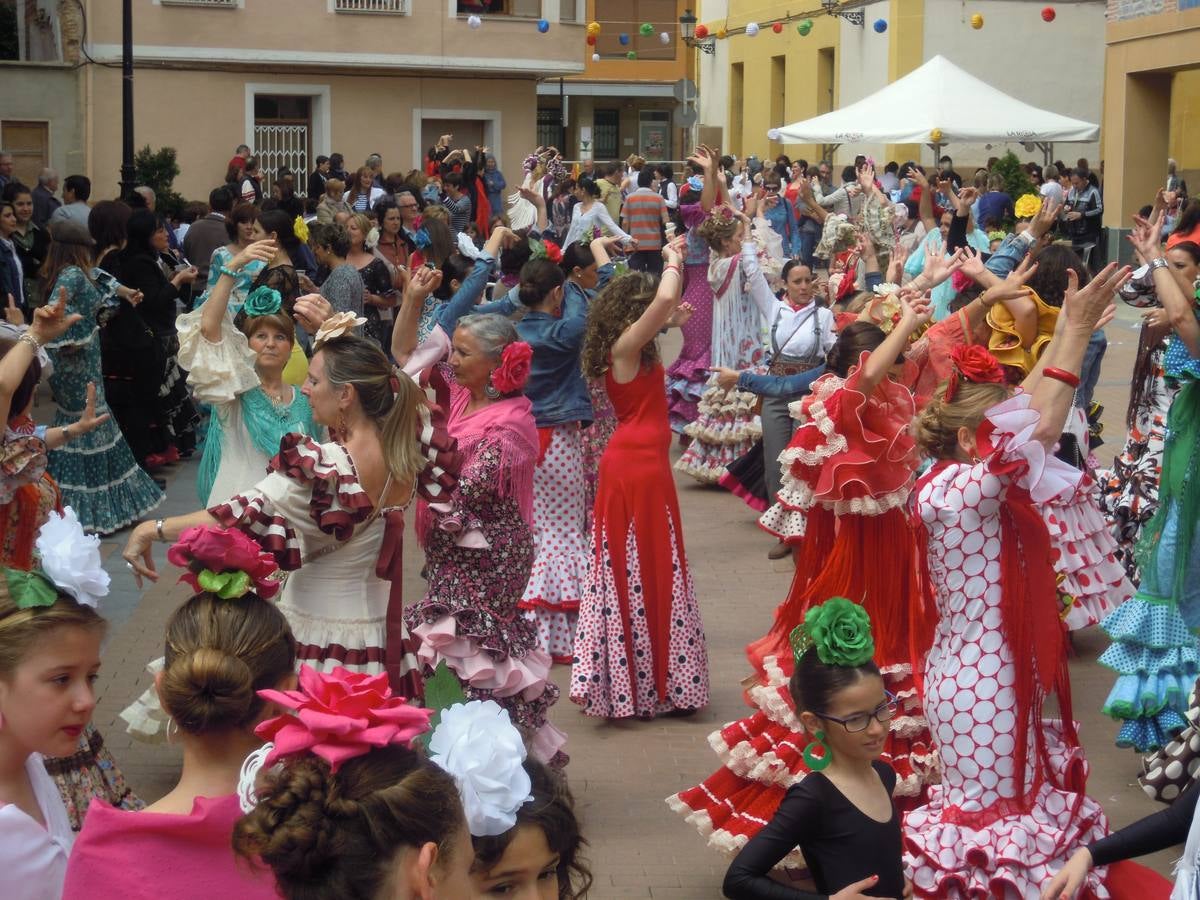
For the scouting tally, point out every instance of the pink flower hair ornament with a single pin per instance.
(515, 363)
(339, 715)
(224, 562)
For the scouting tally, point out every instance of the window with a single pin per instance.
(549, 128)
(654, 134)
(626, 17)
(530, 9)
(227, 4)
(570, 12)
(606, 134)
(283, 136)
(29, 30)
(387, 7)
(29, 144)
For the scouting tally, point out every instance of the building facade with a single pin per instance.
(294, 79)
(771, 78)
(620, 106)
(1151, 101)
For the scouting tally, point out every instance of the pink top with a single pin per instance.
(147, 855)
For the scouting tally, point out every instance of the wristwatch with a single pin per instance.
(1159, 263)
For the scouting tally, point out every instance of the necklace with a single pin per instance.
(275, 396)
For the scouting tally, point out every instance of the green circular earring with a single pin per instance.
(817, 763)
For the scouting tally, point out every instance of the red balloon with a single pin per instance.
(777, 28)
(591, 39)
(1048, 13)
(702, 31)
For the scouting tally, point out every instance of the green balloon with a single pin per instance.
(632, 54)
(805, 27)
(647, 29)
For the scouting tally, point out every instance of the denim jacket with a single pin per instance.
(780, 385)
(556, 386)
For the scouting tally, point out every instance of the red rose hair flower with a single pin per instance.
(513, 371)
(973, 364)
(340, 715)
(213, 559)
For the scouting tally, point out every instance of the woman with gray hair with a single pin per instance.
(469, 618)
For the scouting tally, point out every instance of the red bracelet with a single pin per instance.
(1061, 375)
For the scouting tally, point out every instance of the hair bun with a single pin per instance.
(208, 690)
(290, 830)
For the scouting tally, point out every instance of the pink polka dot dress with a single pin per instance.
(986, 832)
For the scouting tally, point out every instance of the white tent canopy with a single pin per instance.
(939, 95)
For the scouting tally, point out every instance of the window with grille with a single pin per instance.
(549, 128)
(530, 9)
(606, 134)
(283, 136)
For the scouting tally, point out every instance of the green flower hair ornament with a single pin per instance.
(226, 585)
(263, 301)
(29, 589)
(839, 629)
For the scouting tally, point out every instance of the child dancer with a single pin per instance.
(841, 817)
(50, 635)
(1011, 807)
(849, 469)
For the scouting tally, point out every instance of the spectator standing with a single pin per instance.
(996, 206)
(12, 275)
(946, 170)
(343, 286)
(44, 201)
(317, 178)
(1175, 184)
(494, 185)
(1051, 190)
(375, 164)
(363, 195)
(337, 168)
(31, 242)
(890, 179)
(332, 203)
(645, 217)
(238, 163)
(1082, 213)
(610, 190)
(457, 203)
(777, 210)
(208, 233)
(76, 191)
(250, 184)
(6, 169)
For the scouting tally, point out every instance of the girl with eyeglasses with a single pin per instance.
(840, 818)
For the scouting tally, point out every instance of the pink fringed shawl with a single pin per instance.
(509, 423)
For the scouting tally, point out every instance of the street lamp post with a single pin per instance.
(687, 31)
(128, 173)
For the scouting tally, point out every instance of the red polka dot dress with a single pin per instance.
(989, 830)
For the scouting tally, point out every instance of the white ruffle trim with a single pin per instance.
(220, 371)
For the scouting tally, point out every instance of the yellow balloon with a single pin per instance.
(721, 33)
(936, 135)
(593, 28)
(977, 21)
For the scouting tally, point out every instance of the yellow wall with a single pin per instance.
(1147, 106)
(781, 77)
(669, 70)
(906, 52)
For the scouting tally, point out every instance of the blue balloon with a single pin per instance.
(881, 25)
(624, 39)
(543, 26)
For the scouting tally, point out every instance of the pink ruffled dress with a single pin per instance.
(989, 830)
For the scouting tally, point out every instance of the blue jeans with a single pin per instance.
(808, 243)
(1089, 372)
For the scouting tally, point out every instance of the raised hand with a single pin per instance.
(1085, 308)
(896, 261)
(12, 314)
(424, 281)
(914, 311)
(89, 421)
(680, 317)
(259, 251)
(938, 266)
(972, 264)
(138, 552)
(705, 158)
(1014, 286)
(1146, 236)
(964, 199)
(1046, 217)
(311, 311)
(52, 320)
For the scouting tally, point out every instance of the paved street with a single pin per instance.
(621, 772)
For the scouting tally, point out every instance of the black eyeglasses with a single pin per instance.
(883, 713)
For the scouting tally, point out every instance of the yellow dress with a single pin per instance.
(1005, 341)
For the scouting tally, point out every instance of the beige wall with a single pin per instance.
(203, 116)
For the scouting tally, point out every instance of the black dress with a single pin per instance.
(377, 279)
(840, 843)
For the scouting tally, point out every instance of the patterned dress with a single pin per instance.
(639, 644)
(688, 374)
(96, 472)
(242, 282)
(991, 829)
(477, 573)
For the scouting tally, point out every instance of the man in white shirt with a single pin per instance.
(1051, 189)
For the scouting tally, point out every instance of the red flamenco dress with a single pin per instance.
(849, 472)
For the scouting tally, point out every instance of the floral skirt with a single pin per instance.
(560, 563)
(726, 429)
(90, 772)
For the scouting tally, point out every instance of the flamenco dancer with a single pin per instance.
(849, 471)
(1011, 807)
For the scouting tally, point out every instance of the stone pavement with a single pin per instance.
(621, 772)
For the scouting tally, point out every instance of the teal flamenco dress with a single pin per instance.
(96, 472)
(1155, 651)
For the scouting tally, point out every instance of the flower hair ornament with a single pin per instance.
(263, 301)
(372, 239)
(300, 229)
(544, 249)
(67, 560)
(337, 716)
(973, 364)
(224, 562)
(515, 362)
(335, 326)
(1027, 206)
(477, 743)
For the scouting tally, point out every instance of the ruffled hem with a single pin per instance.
(509, 676)
(729, 830)
(1151, 733)
(786, 524)
(1155, 625)
(1085, 556)
(106, 508)
(338, 501)
(555, 632)
(556, 579)
(1017, 853)
(220, 371)
(1006, 436)
(739, 490)
(725, 429)
(357, 644)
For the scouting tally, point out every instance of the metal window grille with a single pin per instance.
(229, 4)
(391, 7)
(282, 145)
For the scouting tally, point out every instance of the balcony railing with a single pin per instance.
(383, 7)
(224, 4)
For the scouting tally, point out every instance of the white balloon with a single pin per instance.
(595, 57)
(664, 37)
(751, 29)
(474, 21)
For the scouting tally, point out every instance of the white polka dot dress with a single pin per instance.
(972, 839)
(561, 549)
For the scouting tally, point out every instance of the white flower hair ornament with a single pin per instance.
(477, 743)
(335, 326)
(372, 239)
(71, 559)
